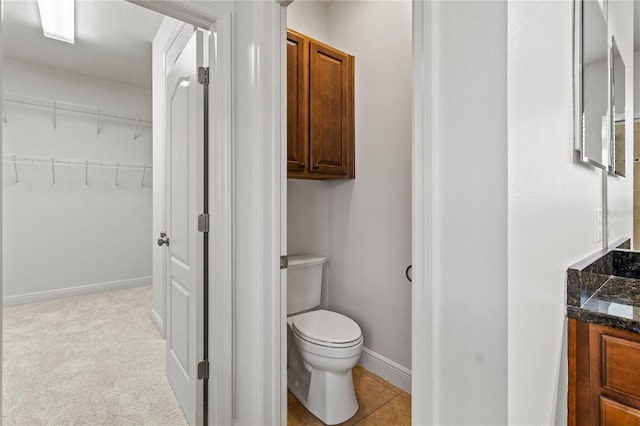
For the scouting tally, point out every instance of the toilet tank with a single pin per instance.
(304, 282)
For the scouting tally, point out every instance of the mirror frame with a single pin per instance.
(578, 87)
(612, 107)
(578, 9)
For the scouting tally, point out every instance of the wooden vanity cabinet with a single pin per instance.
(320, 110)
(604, 375)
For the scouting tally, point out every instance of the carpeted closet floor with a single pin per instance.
(92, 360)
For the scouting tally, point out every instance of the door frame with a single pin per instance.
(216, 17)
(423, 326)
(247, 339)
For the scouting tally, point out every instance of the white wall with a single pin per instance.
(72, 235)
(310, 18)
(552, 201)
(364, 225)
(468, 277)
(370, 217)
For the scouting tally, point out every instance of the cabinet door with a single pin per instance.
(297, 103)
(613, 413)
(331, 108)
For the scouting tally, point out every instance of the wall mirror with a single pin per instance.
(617, 111)
(591, 91)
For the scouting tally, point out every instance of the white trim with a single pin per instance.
(258, 319)
(158, 322)
(196, 12)
(221, 276)
(389, 370)
(283, 209)
(423, 178)
(82, 290)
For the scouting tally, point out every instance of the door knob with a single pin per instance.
(163, 240)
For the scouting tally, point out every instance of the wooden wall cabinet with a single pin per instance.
(604, 375)
(320, 110)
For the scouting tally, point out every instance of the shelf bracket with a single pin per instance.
(117, 167)
(15, 168)
(144, 172)
(55, 115)
(4, 115)
(53, 170)
(135, 129)
(86, 173)
(99, 129)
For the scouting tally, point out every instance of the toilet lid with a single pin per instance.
(326, 326)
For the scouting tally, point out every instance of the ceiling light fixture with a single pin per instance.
(58, 19)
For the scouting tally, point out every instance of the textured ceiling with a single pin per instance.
(113, 40)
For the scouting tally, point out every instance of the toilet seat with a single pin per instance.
(326, 328)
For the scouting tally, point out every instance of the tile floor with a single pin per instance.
(381, 403)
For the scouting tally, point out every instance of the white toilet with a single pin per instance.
(322, 346)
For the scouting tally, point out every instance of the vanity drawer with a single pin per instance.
(620, 365)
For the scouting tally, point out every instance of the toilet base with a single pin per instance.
(328, 395)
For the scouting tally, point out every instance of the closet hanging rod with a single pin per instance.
(68, 106)
(71, 162)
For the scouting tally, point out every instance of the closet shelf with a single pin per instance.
(70, 162)
(82, 109)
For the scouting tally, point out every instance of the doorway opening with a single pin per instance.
(79, 182)
(352, 216)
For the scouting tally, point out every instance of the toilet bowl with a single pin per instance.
(322, 346)
(328, 345)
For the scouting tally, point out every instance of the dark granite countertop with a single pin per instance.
(605, 289)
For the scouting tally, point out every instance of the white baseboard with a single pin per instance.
(44, 296)
(157, 321)
(387, 369)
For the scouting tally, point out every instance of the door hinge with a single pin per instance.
(203, 222)
(203, 75)
(203, 370)
(284, 262)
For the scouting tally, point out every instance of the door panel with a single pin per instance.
(613, 413)
(297, 108)
(178, 345)
(329, 115)
(179, 181)
(185, 195)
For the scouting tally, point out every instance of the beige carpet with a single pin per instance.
(91, 360)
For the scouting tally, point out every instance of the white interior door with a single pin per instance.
(185, 255)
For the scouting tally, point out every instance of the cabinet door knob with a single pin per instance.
(316, 166)
(301, 166)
